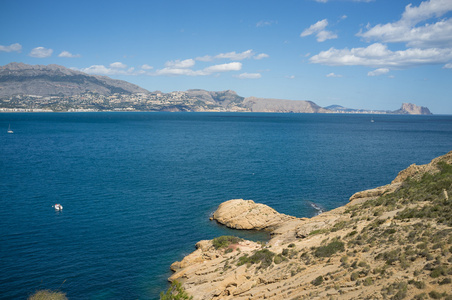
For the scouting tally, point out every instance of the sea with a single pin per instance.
(138, 188)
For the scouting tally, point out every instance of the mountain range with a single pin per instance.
(56, 88)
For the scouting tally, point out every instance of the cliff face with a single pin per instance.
(412, 109)
(391, 242)
(19, 78)
(283, 106)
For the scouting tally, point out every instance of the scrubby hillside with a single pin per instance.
(393, 242)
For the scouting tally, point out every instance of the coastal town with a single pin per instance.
(92, 101)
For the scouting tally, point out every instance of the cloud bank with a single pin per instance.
(41, 52)
(11, 48)
(428, 40)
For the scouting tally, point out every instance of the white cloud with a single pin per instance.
(147, 67)
(177, 72)
(11, 48)
(233, 56)
(291, 76)
(378, 72)
(236, 56)
(318, 29)
(333, 75)
(265, 23)
(426, 10)
(249, 76)
(174, 71)
(261, 56)
(448, 66)
(68, 54)
(325, 35)
(180, 64)
(319, 26)
(116, 68)
(233, 66)
(204, 58)
(41, 52)
(379, 56)
(118, 65)
(436, 34)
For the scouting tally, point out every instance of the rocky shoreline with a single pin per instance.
(372, 247)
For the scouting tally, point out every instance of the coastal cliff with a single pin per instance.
(392, 242)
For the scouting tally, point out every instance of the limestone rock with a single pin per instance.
(376, 192)
(246, 214)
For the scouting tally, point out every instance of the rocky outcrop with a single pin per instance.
(362, 250)
(412, 109)
(282, 106)
(246, 214)
(416, 171)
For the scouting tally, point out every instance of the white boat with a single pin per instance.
(58, 207)
(9, 129)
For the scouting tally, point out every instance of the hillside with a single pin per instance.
(392, 242)
(54, 80)
(283, 106)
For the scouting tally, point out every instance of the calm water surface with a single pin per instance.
(138, 188)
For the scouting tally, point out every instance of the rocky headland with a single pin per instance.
(391, 242)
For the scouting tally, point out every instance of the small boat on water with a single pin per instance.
(58, 207)
(9, 129)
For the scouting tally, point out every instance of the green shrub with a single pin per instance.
(318, 281)
(175, 292)
(368, 281)
(438, 271)
(48, 295)
(262, 257)
(419, 284)
(330, 249)
(435, 295)
(224, 241)
(445, 281)
(278, 259)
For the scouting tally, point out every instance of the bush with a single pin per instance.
(354, 276)
(368, 281)
(330, 249)
(435, 295)
(445, 281)
(175, 292)
(419, 284)
(438, 271)
(224, 241)
(47, 295)
(318, 281)
(263, 257)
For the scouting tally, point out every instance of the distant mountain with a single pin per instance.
(54, 80)
(340, 109)
(412, 109)
(56, 88)
(283, 106)
(406, 109)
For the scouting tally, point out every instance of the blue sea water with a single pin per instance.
(138, 188)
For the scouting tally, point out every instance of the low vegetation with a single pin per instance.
(48, 295)
(395, 246)
(225, 241)
(175, 292)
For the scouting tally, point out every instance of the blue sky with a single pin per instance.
(372, 54)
